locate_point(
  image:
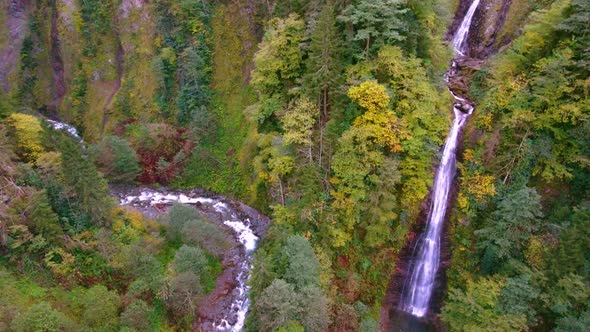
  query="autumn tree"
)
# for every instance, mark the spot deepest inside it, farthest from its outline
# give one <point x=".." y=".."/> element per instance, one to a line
<point x="277" y="63"/>
<point x="377" y="118"/>
<point x="116" y="159"/>
<point x="27" y="133"/>
<point x="298" y="122"/>
<point x="476" y="309"/>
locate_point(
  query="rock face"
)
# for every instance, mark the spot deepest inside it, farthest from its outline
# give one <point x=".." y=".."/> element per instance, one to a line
<point x="16" y="24"/>
<point x="495" y="24"/>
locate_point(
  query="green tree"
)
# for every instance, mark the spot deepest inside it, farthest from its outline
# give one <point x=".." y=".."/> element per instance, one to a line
<point x="84" y="184"/>
<point x="510" y="227"/>
<point x="276" y="305"/>
<point x="377" y="22"/>
<point x="100" y="309"/>
<point x="324" y="62"/>
<point x="202" y="233"/>
<point x="43" y="219"/>
<point x="314" y="309"/>
<point x="476" y="309"/>
<point x="135" y="316"/>
<point x="41" y="317"/>
<point x="190" y="259"/>
<point x="368" y="325"/>
<point x="573" y="324"/>
<point x="302" y="268"/>
<point x="178" y="216"/>
<point x="572" y="254"/>
<point x="183" y="294"/>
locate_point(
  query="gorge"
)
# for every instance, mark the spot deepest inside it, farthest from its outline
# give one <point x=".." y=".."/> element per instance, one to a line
<point x="296" y="165"/>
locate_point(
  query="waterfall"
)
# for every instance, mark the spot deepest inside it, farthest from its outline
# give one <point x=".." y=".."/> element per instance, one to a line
<point x="415" y="298"/>
<point x="461" y="35"/>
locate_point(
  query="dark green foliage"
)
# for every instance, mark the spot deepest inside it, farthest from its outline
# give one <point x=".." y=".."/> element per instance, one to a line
<point x="45" y="222"/>
<point x="194" y="95"/>
<point x="510" y="227"/>
<point x="572" y="255"/>
<point x="377" y="23"/>
<point x="302" y="268"/>
<point x="324" y="63"/>
<point x="518" y="296"/>
<point x="574" y="324"/>
<point x="28" y="76"/>
<point x="85" y="184"/>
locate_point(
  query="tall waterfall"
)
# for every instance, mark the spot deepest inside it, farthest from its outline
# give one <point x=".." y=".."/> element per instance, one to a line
<point x="418" y="288"/>
<point x="459" y="41"/>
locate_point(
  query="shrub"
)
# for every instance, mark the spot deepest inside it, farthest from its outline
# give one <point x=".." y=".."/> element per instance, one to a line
<point x="178" y="216"/>
<point x="115" y="158"/>
<point x="190" y="259"/>
<point x="135" y="316"/>
<point x="41" y="317"/>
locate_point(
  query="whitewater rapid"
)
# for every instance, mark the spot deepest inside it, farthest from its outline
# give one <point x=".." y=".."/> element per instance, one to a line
<point x="234" y="318"/>
<point x="244" y="233"/>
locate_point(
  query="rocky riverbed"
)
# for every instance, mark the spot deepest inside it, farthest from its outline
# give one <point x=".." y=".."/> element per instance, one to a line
<point x="225" y="308"/>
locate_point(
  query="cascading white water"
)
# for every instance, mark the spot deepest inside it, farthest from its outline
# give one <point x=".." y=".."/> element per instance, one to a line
<point x="417" y="295"/>
<point x="244" y="234"/>
<point x="418" y="289"/>
<point x="71" y="130"/>
<point x="461" y="34"/>
<point x="235" y="319"/>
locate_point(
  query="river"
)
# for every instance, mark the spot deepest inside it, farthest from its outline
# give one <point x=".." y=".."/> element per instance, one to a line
<point x="226" y="307"/>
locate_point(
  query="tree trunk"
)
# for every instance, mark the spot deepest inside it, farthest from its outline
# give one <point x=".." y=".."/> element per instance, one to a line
<point x="325" y="108"/>
<point x="281" y="190"/>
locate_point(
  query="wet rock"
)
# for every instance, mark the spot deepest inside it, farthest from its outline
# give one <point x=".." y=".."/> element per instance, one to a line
<point x="220" y="307"/>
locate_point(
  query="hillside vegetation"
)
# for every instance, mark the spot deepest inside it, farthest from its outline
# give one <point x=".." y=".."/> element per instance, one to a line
<point x="329" y="117"/>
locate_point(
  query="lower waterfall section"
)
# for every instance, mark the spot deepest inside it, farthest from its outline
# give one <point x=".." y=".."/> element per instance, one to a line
<point x="417" y="291"/>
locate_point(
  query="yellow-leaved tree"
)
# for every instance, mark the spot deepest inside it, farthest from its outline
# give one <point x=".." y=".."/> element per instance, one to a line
<point x="27" y="132"/>
<point x="379" y="119"/>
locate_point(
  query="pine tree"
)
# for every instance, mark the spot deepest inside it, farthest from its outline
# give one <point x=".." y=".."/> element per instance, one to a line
<point x="324" y="65"/>
<point x="84" y="183"/>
